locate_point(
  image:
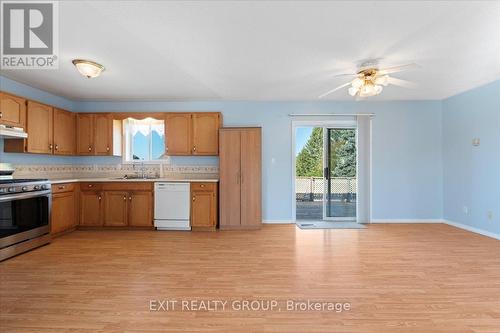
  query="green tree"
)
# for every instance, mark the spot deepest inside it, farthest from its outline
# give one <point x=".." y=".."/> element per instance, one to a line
<point x="309" y="162"/>
<point x="343" y="152"/>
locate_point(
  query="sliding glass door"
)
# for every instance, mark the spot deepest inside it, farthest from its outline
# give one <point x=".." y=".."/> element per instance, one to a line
<point x="340" y="179"/>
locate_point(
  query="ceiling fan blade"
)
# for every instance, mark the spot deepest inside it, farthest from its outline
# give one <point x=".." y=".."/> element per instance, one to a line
<point x="344" y="74"/>
<point x="401" y="83"/>
<point x="334" y="90"/>
<point x="397" y="69"/>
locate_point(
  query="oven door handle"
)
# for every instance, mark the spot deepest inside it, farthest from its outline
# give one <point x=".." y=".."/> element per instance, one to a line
<point x="26" y="195"/>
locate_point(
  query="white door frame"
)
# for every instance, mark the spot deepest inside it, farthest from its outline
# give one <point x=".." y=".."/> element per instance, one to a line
<point x="341" y="123"/>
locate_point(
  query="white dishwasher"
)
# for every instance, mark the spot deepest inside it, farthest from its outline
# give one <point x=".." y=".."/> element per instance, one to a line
<point x="172" y="206"/>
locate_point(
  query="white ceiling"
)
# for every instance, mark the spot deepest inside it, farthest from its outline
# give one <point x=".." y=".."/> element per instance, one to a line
<point x="269" y="50"/>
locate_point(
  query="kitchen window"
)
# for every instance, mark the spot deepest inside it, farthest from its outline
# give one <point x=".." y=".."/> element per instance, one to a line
<point x="144" y="139"/>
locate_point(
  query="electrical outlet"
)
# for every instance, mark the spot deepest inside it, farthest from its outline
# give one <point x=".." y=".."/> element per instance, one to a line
<point x="465" y="209"/>
<point x="490" y="215"/>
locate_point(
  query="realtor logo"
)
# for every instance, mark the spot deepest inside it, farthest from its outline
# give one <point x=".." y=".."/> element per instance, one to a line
<point x="29" y="35"/>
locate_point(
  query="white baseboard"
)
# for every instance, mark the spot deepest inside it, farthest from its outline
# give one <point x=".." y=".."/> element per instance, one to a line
<point x="407" y="221"/>
<point x="278" y="221"/>
<point x="473" y="229"/>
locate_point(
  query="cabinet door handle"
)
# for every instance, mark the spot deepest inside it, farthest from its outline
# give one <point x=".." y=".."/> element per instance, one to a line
<point x="99" y="197"/>
<point x="124" y="198"/>
<point x="194" y="198"/>
<point x="130" y="198"/>
<point x="194" y="148"/>
<point x="90" y="185"/>
<point x="57" y="147"/>
<point x="1" y="115"/>
<point x="107" y="148"/>
<point x="90" y="148"/>
<point x="50" y="146"/>
<point x="202" y="185"/>
<point x="61" y="187"/>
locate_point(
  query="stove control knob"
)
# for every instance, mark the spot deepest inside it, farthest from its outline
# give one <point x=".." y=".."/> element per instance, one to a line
<point x="3" y="190"/>
<point x="45" y="187"/>
<point x="24" y="188"/>
<point x="12" y="189"/>
<point x="36" y="187"/>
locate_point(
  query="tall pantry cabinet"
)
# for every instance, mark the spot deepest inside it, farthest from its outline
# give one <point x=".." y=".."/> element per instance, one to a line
<point x="240" y="192"/>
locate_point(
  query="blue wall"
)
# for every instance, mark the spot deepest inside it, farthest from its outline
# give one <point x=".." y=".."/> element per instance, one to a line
<point x="407" y="151"/>
<point x="472" y="174"/>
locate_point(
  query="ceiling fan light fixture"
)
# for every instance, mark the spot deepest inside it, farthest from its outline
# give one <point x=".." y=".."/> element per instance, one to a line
<point x="382" y="80"/>
<point x="353" y="91"/>
<point x="88" y="68"/>
<point x="357" y="82"/>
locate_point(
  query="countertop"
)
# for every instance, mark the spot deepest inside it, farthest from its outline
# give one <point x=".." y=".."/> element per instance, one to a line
<point x="115" y="179"/>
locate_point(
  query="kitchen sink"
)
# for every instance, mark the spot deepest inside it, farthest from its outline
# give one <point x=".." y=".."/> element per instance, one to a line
<point x="136" y="177"/>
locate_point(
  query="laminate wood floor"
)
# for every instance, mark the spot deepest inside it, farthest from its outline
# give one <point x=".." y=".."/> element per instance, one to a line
<point x="396" y="278"/>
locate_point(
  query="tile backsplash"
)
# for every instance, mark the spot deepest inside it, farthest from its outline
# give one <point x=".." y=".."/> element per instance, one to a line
<point x="117" y="170"/>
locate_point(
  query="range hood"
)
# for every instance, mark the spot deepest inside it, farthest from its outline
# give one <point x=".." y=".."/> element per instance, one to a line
<point x="12" y="132"/>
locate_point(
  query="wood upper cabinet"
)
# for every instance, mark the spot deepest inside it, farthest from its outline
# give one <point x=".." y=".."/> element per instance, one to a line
<point x="115" y="208"/>
<point x="64" y="132"/>
<point x="206" y="133"/>
<point x="140" y="209"/>
<point x="240" y="178"/>
<point x="85" y="134"/>
<point x="90" y="208"/>
<point x="192" y="133"/>
<point x="95" y="134"/>
<point x="103" y="134"/>
<point x="64" y="208"/>
<point x="39" y="128"/>
<point x="12" y="110"/>
<point x="203" y="205"/>
<point x="178" y="134"/>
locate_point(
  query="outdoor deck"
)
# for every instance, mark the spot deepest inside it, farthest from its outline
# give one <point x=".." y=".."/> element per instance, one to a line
<point x="313" y="210"/>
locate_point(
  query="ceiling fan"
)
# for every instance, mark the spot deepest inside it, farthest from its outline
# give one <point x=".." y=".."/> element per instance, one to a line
<point x="370" y="80"/>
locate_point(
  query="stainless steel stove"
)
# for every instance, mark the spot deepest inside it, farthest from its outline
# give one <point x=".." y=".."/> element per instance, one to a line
<point x="24" y="213"/>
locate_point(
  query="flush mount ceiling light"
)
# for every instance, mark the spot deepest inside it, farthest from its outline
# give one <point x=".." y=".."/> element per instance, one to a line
<point x="370" y="81"/>
<point x="87" y="68"/>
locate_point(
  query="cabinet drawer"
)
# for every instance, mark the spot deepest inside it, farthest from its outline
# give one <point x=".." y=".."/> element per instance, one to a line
<point x="90" y="186"/>
<point x="196" y="186"/>
<point x="128" y="186"/>
<point x="60" y="188"/>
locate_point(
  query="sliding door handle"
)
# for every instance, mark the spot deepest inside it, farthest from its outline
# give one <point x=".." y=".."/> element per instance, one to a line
<point x="326" y="173"/>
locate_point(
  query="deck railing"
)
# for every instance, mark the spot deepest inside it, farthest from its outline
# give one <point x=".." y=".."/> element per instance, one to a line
<point x="312" y="188"/>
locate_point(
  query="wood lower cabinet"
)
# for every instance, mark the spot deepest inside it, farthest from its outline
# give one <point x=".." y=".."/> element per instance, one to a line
<point x="116" y="204"/>
<point x="203" y="206"/>
<point x="12" y="110"/>
<point x="115" y="208"/>
<point x="90" y="208"/>
<point x="240" y="178"/>
<point x="64" y="215"/>
<point x="64" y="132"/>
<point x="140" y="209"/>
